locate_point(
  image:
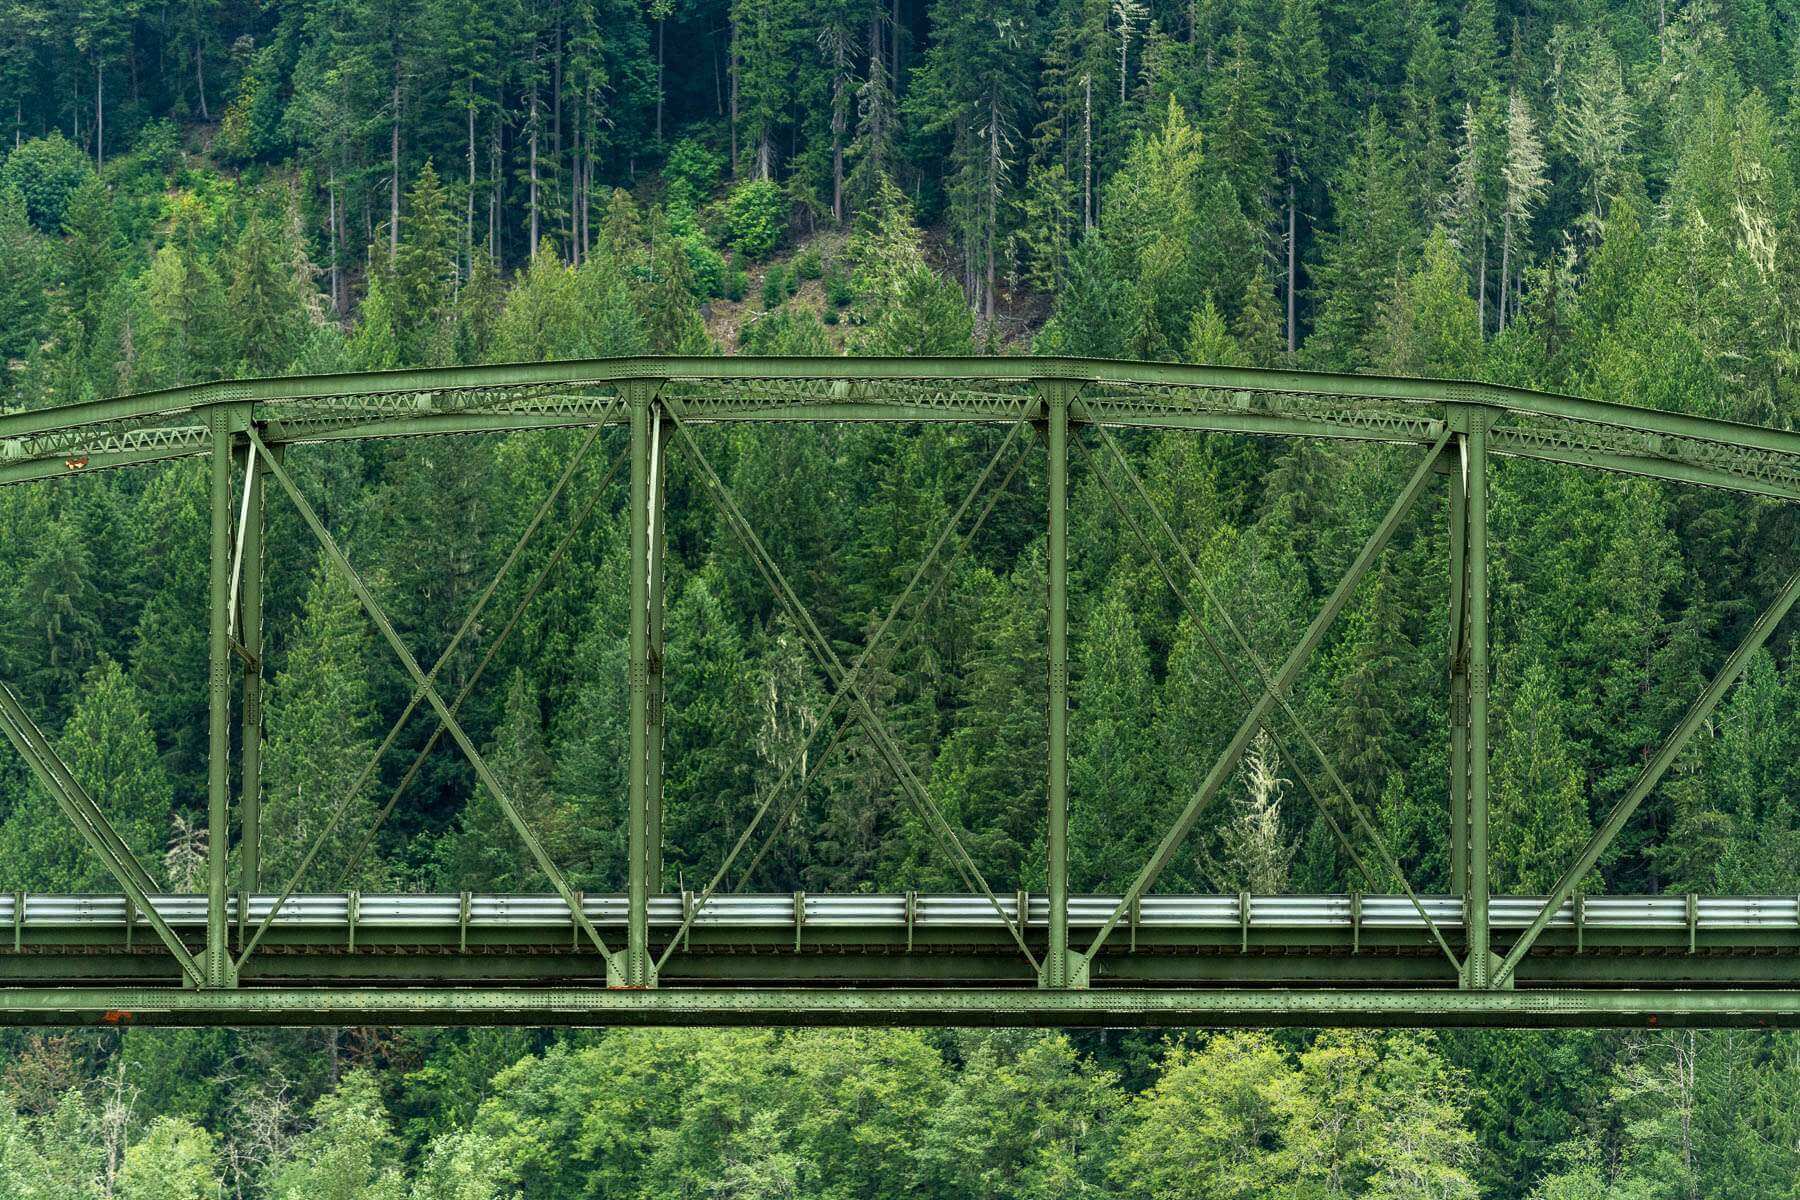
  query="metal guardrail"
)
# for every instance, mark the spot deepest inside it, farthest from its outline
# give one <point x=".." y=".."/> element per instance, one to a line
<point x="927" y="911"/>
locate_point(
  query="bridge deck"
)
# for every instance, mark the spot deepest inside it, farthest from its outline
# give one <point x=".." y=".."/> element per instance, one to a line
<point x="899" y="940"/>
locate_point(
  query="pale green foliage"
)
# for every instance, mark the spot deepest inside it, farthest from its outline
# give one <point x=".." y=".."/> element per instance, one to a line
<point x="347" y="1154"/>
<point x="461" y="1166"/>
<point x="1353" y="1115"/>
<point x="902" y="305"/>
<point x="173" y="1160"/>
<point x="754" y="217"/>
<point x="557" y="311"/>
<point x="1428" y="326"/>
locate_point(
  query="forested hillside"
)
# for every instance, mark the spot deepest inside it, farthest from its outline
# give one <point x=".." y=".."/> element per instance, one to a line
<point x="1576" y="195"/>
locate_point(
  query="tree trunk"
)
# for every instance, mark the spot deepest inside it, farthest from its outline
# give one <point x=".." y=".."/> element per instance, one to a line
<point x="837" y="128"/>
<point x="394" y="169"/>
<point x="99" y="115"/>
<point x="993" y="209"/>
<point x="1505" y="269"/>
<point x="1293" y="273"/>
<point x="876" y="113"/>
<point x="556" y="65"/>
<point x="1087" y="152"/>
<point x="200" y="72"/>
<point x="331" y="216"/>
<point x="1481" y="289"/>
<point x="469" y="206"/>
<point x="732" y="22"/>
<point x="532" y="153"/>
<point x="496" y="153"/>
<point x="660" y="22"/>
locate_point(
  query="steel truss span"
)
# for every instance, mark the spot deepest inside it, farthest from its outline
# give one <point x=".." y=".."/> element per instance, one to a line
<point x="256" y="950"/>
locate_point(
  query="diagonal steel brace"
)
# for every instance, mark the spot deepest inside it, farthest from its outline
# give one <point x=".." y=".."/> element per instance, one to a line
<point x="1253" y="720"/>
<point x="420" y="681"/>
<point x="349" y="797"/>
<point x="1652" y="774"/>
<point x="487" y="658"/>
<point x="89" y="821"/>
<point x="843" y="727"/>
<point x="856" y="669"/>
<point x="1262" y="672"/>
<point x="834" y="668"/>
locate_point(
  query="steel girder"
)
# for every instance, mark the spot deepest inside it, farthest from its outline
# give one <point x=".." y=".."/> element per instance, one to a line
<point x="1119" y="1007"/>
<point x="155" y="426"/>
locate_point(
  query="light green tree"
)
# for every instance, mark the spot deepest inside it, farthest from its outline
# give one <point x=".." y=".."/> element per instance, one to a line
<point x="173" y="1160"/>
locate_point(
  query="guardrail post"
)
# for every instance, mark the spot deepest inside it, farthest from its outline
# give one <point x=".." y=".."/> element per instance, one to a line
<point x="219" y="972"/>
<point x="638" y="969"/>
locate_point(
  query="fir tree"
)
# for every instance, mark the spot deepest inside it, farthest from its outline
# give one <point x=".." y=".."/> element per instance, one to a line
<point x="321" y="732"/>
<point x="109" y="750"/>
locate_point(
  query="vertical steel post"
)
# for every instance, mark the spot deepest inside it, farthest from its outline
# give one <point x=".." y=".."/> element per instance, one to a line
<point x="1459" y="670"/>
<point x="637" y="945"/>
<point x="1056" y="958"/>
<point x="659" y="472"/>
<point x="1480" y="962"/>
<point x="219" y="972"/>
<point x="250" y="621"/>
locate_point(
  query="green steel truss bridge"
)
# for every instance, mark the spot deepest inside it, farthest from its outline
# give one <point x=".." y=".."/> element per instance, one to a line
<point x="256" y="950"/>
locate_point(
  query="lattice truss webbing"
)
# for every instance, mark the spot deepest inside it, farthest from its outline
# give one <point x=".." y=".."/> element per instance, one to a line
<point x="135" y="430"/>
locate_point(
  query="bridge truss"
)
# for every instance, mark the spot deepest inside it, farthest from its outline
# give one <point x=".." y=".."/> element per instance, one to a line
<point x="244" y="953"/>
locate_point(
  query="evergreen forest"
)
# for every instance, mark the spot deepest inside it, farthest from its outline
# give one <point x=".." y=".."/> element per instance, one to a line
<point x="1596" y="197"/>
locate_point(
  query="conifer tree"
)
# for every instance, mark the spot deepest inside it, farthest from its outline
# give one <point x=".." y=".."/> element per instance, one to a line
<point x="24" y="264"/>
<point x="1539" y="807"/>
<point x="1113" y="813"/>
<point x="1368" y="251"/>
<point x="1298" y="110"/>
<point x="268" y="295"/>
<point x="109" y="750"/>
<point x="1522" y="175"/>
<point x="321" y="732"/>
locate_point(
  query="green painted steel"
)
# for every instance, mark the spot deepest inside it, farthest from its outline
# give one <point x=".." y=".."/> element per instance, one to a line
<point x="219" y="973"/>
<point x="1107" y="1008"/>
<point x="1290" y="671"/>
<point x="1658" y="765"/>
<point x="156" y="426"/>
<point x="1056" y="817"/>
<point x="637" y="856"/>
<point x="1477" y="965"/>
<point x="1538" y="977"/>
<point x="1458" y="642"/>
<point x="341" y="564"/>
<point x="251" y="565"/>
